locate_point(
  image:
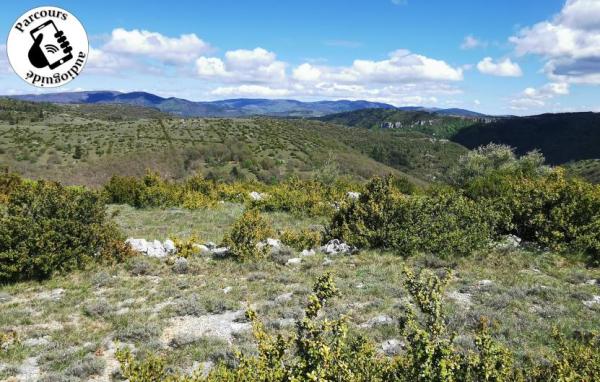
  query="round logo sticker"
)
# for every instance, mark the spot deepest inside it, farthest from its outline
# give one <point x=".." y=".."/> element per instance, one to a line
<point x="47" y="47"/>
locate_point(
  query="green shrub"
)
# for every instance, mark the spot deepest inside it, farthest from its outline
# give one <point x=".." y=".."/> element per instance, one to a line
<point x="442" y="222"/>
<point x="302" y="239"/>
<point x="245" y="235"/>
<point x="47" y="228"/>
<point x="555" y="211"/>
<point x="8" y="183"/>
<point x="303" y="197"/>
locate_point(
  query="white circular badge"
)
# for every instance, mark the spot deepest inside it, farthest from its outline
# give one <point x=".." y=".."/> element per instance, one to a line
<point x="47" y="47"/>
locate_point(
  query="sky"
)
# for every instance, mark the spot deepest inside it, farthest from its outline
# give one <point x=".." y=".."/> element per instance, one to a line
<point x="495" y="56"/>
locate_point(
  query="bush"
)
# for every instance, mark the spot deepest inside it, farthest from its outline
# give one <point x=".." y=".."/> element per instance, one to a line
<point x="245" y="235"/>
<point x="303" y="197"/>
<point x="300" y="240"/>
<point x="442" y="222"/>
<point x="551" y="210"/>
<point x="47" y="228"/>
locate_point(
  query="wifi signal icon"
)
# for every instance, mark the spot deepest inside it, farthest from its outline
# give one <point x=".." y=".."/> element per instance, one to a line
<point x="51" y="48"/>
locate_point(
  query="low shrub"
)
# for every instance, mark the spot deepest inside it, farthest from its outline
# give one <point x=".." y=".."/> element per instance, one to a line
<point x="245" y="235"/>
<point x="442" y="222"/>
<point x="552" y="210"/>
<point x="47" y="228"/>
<point x="301" y="239"/>
<point x="303" y="197"/>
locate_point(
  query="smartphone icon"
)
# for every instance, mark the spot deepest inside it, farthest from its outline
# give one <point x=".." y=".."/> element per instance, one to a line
<point x="50" y="45"/>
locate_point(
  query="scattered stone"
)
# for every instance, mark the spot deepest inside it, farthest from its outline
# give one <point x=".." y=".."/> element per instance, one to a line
<point x="150" y="249"/>
<point x="509" y="242"/>
<point x="40" y="341"/>
<point x="588" y="282"/>
<point x="29" y="370"/>
<point x="169" y="246"/>
<point x="327" y="261"/>
<point x="220" y="251"/>
<point x="463" y="299"/>
<point x="275" y="243"/>
<point x="256" y="196"/>
<point x="294" y="261"/>
<point x="181" y="265"/>
<point x="5" y="297"/>
<point x="307" y="252"/>
<point x="201" y="248"/>
<point x="192" y="328"/>
<point x="594" y="301"/>
<point x="284" y="297"/>
<point x="392" y="347"/>
<point x="353" y="195"/>
<point x="122" y="311"/>
<point x="377" y="321"/>
<point x="227" y="289"/>
<point x="484" y="283"/>
<point x="336" y="246"/>
<point x="53" y="295"/>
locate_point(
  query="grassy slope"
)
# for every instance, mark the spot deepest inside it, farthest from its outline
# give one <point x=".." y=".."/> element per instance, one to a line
<point x="260" y="148"/>
<point x="530" y="293"/>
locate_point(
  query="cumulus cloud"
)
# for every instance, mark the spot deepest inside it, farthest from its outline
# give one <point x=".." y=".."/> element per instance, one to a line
<point x="4" y="64"/>
<point x="404" y="77"/>
<point x="502" y="68"/>
<point x="538" y="97"/>
<point x="249" y="91"/>
<point x="306" y="73"/>
<point x="242" y="65"/>
<point x="402" y="66"/>
<point x="569" y="42"/>
<point x="182" y="49"/>
<point x="471" y="42"/>
<point x="102" y="62"/>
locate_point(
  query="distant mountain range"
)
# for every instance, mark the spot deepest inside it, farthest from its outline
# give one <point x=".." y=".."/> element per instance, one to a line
<point x="226" y="108"/>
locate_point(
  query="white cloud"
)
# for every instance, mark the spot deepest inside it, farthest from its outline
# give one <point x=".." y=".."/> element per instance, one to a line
<point x="4" y="64"/>
<point x="538" y="97"/>
<point x="471" y="42"/>
<point x="242" y="65"/>
<point x="306" y="73"/>
<point x="249" y="91"/>
<point x="182" y="49"/>
<point x="404" y="77"/>
<point x="402" y="66"/>
<point x="101" y="62"/>
<point x="503" y="68"/>
<point x="570" y="42"/>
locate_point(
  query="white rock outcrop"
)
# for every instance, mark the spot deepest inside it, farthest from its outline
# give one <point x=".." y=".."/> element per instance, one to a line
<point x="256" y="196"/>
<point x="148" y="248"/>
<point x="336" y="246"/>
<point x="353" y="195"/>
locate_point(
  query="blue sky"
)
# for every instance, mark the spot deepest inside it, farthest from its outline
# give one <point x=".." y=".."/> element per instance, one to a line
<point x="500" y="57"/>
